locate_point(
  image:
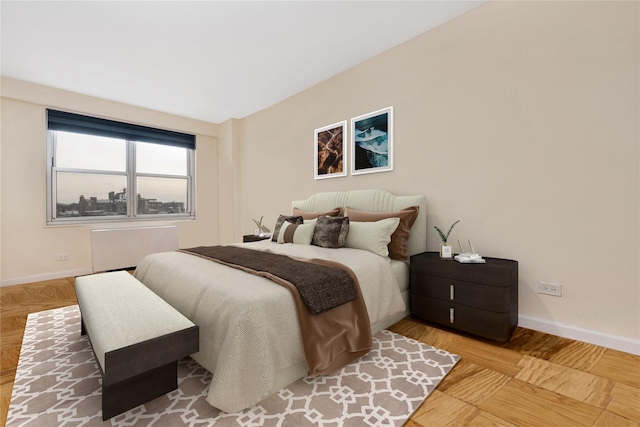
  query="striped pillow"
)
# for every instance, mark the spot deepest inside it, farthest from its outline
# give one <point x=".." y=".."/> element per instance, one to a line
<point x="284" y="219"/>
<point x="300" y="234"/>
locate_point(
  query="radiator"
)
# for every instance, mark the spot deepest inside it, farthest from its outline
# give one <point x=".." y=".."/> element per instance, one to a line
<point x="114" y="249"/>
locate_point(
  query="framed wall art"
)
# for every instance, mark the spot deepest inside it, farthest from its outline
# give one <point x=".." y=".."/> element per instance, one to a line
<point x="330" y="151"/>
<point x="372" y="142"/>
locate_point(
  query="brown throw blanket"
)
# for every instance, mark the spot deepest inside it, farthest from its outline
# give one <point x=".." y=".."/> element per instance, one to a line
<point x="321" y="287"/>
<point x="340" y="331"/>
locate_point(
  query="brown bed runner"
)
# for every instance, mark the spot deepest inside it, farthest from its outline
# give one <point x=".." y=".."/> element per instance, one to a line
<point x="321" y="287"/>
<point x="340" y="331"/>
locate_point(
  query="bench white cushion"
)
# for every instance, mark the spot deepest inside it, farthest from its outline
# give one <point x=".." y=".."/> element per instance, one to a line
<point x="119" y="311"/>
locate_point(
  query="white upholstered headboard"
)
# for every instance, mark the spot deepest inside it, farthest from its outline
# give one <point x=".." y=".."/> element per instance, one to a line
<point x="373" y="201"/>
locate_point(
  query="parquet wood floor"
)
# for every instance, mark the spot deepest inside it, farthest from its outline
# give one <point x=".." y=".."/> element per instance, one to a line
<point x="535" y="379"/>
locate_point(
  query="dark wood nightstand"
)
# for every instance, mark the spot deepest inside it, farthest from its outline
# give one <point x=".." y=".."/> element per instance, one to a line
<point x="480" y="299"/>
<point x="252" y="238"/>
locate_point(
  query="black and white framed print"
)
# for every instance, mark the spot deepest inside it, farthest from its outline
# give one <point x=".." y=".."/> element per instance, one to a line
<point x="372" y="142"/>
<point x="330" y="152"/>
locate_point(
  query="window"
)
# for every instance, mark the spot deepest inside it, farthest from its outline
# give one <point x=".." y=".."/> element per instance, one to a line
<point x="96" y="165"/>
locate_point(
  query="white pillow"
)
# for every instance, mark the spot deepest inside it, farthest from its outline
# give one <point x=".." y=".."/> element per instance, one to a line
<point x="300" y="234"/>
<point x="372" y="236"/>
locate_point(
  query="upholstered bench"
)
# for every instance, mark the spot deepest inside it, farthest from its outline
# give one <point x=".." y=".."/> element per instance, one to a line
<point x="136" y="336"/>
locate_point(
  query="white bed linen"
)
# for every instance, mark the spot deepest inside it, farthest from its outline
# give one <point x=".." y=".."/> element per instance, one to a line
<point x="401" y="273"/>
<point x="249" y="332"/>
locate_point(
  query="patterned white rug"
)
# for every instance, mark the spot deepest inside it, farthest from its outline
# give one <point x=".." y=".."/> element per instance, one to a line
<point x="58" y="383"/>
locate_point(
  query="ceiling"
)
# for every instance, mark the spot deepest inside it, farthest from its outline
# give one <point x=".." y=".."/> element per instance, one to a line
<point x="208" y="60"/>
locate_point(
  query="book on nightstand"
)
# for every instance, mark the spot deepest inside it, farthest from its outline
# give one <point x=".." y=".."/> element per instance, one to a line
<point x="469" y="258"/>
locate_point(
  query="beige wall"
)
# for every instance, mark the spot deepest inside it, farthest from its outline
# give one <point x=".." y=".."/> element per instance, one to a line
<point x="29" y="247"/>
<point x="518" y="118"/>
<point x="229" y="181"/>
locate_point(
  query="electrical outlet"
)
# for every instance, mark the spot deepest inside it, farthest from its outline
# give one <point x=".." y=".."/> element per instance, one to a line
<point x="550" y="289"/>
<point x="63" y="257"/>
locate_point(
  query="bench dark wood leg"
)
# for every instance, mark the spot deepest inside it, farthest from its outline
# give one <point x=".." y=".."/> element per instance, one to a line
<point x="124" y="395"/>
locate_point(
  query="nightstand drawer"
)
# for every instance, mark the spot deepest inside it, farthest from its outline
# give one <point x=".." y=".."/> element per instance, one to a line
<point x="487" y="324"/>
<point x="496" y="272"/>
<point x="493" y="298"/>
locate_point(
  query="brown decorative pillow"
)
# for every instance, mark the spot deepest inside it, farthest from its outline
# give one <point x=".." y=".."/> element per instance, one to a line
<point x="314" y="215"/>
<point x="398" y="246"/>
<point x="331" y="232"/>
<point x="281" y="220"/>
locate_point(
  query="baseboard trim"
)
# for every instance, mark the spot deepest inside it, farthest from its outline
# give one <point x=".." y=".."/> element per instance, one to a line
<point x="43" y="277"/>
<point x="628" y="345"/>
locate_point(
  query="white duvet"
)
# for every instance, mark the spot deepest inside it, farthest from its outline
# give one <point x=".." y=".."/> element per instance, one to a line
<point x="249" y="332"/>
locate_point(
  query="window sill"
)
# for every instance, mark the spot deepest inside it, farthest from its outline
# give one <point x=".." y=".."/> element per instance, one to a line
<point x="105" y="221"/>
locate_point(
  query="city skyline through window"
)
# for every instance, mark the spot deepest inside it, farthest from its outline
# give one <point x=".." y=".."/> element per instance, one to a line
<point x="93" y="176"/>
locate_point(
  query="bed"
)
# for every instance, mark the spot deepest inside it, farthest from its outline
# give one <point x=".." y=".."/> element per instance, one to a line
<point x="249" y="336"/>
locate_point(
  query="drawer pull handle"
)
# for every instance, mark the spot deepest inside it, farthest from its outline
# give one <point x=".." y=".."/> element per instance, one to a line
<point x="451" y="291"/>
<point x="451" y="315"/>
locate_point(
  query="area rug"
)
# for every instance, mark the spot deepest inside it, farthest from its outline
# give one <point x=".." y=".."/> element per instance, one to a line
<point x="58" y="383"/>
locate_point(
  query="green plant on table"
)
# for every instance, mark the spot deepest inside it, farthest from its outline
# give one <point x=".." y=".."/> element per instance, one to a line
<point x="443" y="236"/>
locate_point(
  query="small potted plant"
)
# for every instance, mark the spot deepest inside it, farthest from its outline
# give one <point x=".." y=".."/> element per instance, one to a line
<point x="262" y="230"/>
<point x="446" y="250"/>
